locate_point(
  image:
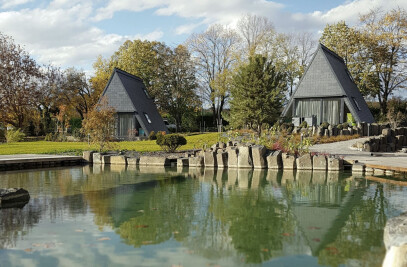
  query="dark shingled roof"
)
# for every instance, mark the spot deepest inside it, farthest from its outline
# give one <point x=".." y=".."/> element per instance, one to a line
<point x="328" y="76"/>
<point x="123" y="87"/>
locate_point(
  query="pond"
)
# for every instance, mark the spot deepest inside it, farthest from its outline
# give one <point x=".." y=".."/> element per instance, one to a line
<point x="89" y="216"/>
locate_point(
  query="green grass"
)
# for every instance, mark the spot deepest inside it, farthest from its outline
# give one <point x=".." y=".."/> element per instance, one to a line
<point x="44" y="147"/>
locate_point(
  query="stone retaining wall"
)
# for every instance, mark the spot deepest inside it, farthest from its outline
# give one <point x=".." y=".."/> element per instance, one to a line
<point x="388" y="141"/>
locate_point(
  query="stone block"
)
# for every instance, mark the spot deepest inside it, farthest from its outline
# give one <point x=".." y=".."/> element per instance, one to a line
<point x="118" y="160"/>
<point x="358" y="167"/>
<point x="304" y="162"/>
<point x="133" y="161"/>
<point x="378" y="172"/>
<point x="106" y="159"/>
<point x="154" y="161"/>
<point x="222" y="159"/>
<point x="335" y="164"/>
<point x="182" y="162"/>
<point x="374" y="129"/>
<point x="88" y="156"/>
<point x="196" y="161"/>
<point x="319" y="162"/>
<point x="259" y="157"/>
<point x="386" y="132"/>
<point x="244" y="159"/>
<point x="97" y="158"/>
<point x="221" y="145"/>
<point x="289" y="161"/>
<point x="274" y="160"/>
<point x="210" y="159"/>
<point x="232" y="156"/>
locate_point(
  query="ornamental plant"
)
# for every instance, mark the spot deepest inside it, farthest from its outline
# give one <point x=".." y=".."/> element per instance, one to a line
<point x="170" y="142"/>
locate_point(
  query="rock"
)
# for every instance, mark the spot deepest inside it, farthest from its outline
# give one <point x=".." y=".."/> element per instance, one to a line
<point x="133" y="161"/>
<point x="210" y="159"/>
<point x="196" y="161"/>
<point x="154" y="161"/>
<point x="221" y="145"/>
<point x="106" y="159"/>
<point x="335" y="164"/>
<point x="289" y="162"/>
<point x="244" y="159"/>
<point x="395" y="231"/>
<point x="97" y="158"/>
<point x="369" y="170"/>
<point x="259" y="157"/>
<point x="304" y="162"/>
<point x="222" y="159"/>
<point x="386" y="132"/>
<point x="358" y="167"/>
<point x="378" y="172"/>
<point x="274" y="160"/>
<point x="182" y="162"/>
<point x="13" y="195"/>
<point x="232" y="156"/>
<point x="88" y="156"/>
<point x="389" y="172"/>
<point x="319" y="162"/>
<point x="118" y="160"/>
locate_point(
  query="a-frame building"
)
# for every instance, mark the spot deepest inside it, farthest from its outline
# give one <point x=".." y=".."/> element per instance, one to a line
<point x="137" y="115"/>
<point x="327" y="91"/>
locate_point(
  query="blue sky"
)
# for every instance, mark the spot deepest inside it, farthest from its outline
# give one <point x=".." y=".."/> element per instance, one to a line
<point x="74" y="32"/>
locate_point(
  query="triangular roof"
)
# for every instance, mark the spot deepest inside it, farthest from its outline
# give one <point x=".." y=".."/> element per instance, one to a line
<point x="327" y="76"/>
<point x="127" y="94"/>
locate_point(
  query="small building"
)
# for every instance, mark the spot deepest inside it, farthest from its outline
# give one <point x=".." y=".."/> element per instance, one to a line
<point x="137" y="115"/>
<point x="327" y="92"/>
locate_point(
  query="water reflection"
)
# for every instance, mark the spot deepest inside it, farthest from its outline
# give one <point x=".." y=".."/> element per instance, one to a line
<point x="237" y="216"/>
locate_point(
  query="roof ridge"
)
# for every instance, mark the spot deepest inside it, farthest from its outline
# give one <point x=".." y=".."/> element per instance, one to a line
<point x="127" y="74"/>
<point x="326" y="49"/>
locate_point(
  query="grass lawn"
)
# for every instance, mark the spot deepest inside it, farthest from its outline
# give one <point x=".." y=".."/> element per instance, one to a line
<point x="45" y="147"/>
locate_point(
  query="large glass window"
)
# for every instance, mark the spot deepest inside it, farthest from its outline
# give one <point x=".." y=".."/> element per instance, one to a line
<point x="331" y="111"/>
<point x="126" y="124"/>
<point x="308" y="107"/>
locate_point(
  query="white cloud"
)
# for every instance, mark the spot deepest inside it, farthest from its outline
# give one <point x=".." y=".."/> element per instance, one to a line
<point x="13" y="3"/>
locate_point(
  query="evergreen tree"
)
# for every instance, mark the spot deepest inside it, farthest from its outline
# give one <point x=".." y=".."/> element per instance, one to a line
<point x="257" y="94"/>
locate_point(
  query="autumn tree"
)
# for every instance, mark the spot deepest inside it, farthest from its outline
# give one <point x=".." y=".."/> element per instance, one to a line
<point x="19" y="79"/>
<point x="213" y="52"/>
<point x="257" y="94"/>
<point x="99" y="124"/>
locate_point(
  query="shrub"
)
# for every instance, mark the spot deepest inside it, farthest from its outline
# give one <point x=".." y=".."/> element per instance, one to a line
<point x="325" y="125"/>
<point x="340" y="126"/>
<point x="152" y="136"/>
<point x="14" y="136"/>
<point x="304" y="124"/>
<point x="49" y="137"/>
<point x="170" y="142"/>
<point x="345" y="125"/>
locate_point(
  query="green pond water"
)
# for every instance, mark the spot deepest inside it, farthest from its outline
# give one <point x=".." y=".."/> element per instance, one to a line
<point x="89" y="216"/>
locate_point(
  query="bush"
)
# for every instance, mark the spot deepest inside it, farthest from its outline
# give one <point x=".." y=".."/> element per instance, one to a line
<point x="152" y="136"/>
<point x="14" y="136"/>
<point x="345" y="125"/>
<point x="170" y="142"/>
<point x="49" y="137"/>
<point x="325" y="125"/>
<point x="304" y="124"/>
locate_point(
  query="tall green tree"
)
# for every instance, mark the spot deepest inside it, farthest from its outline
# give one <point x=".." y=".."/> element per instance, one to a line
<point x="257" y="94"/>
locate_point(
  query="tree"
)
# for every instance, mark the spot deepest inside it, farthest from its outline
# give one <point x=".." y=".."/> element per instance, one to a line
<point x="213" y="51"/>
<point x="75" y="91"/>
<point x="99" y="124"/>
<point x="385" y="42"/>
<point x="257" y="94"/>
<point x="19" y="79"/>
<point x="180" y="92"/>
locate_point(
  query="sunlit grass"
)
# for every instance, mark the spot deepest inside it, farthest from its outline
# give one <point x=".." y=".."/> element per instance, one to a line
<point x="45" y="147"/>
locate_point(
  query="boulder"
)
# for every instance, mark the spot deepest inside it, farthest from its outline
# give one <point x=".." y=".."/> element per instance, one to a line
<point x="88" y="156"/>
<point x="244" y="159"/>
<point x="13" y="195"/>
<point x="210" y="159"/>
<point x="222" y="159"/>
<point x="304" y="162"/>
<point x="118" y="160"/>
<point x="378" y="172"/>
<point x="358" y="167"/>
<point x="335" y="164"/>
<point x="233" y="153"/>
<point x="106" y="159"/>
<point x="154" y="161"/>
<point x="182" y="162"/>
<point x="133" y="161"/>
<point x="97" y="158"/>
<point x="259" y="157"/>
<point x="319" y="162"/>
<point x="196" y="161"/>
<point x="289" y="162"/>
<point x="274" y="160"/>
